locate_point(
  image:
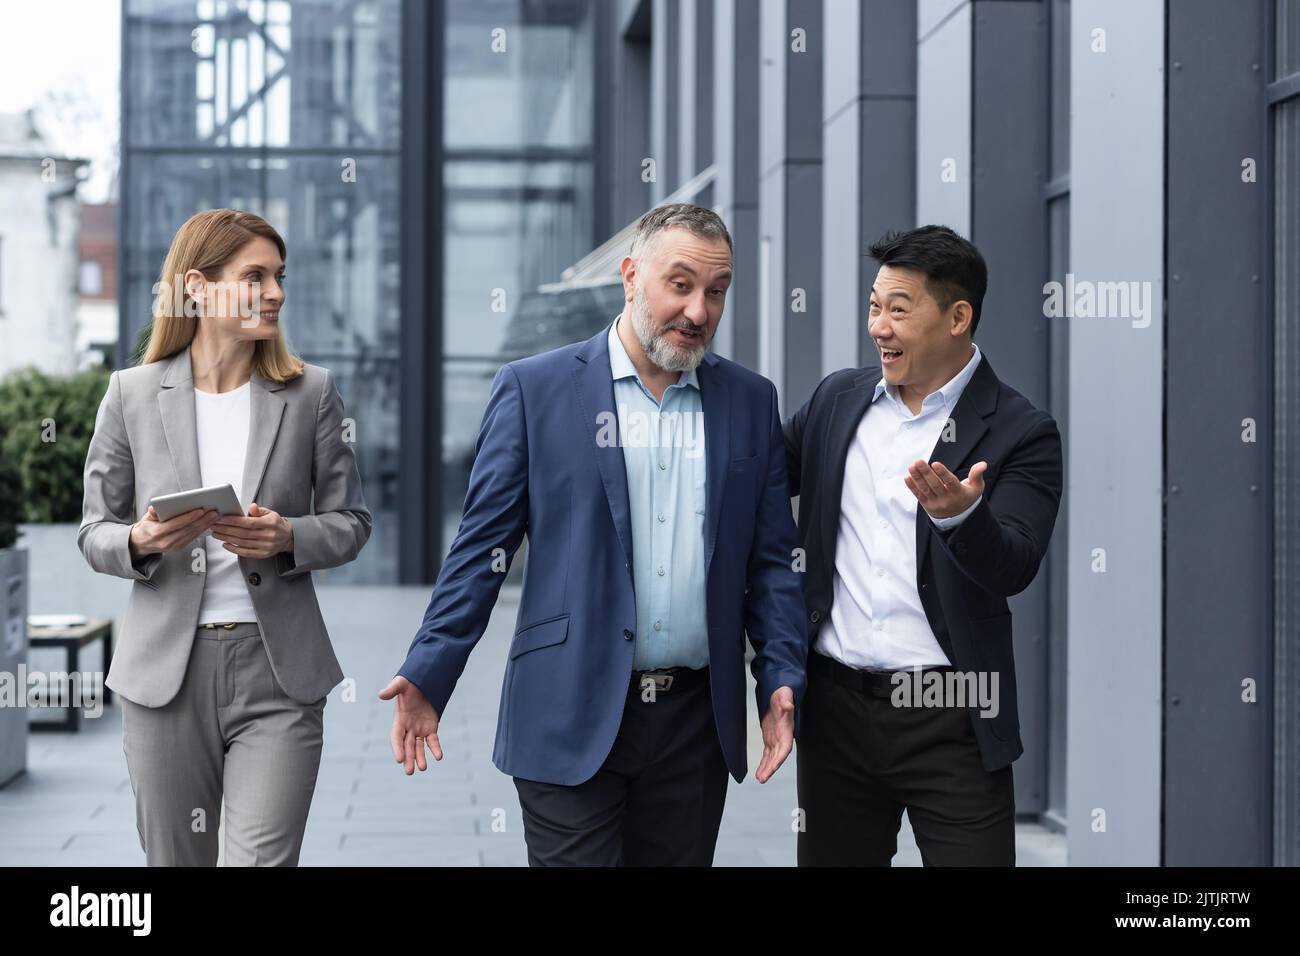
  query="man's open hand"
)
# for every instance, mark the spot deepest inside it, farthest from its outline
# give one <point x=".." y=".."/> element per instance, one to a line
<point x="415" y="725"/>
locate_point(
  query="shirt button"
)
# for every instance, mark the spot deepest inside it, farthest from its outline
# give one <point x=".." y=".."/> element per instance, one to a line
<point x="627" y="634"/>
<point x="661" y="516"/>
<point x="884" y="524"/>
<point x="661" y="570"/>
<point x="658" y="626"/>
<point x="663" y="466"/>
<point x="880" y="572"/>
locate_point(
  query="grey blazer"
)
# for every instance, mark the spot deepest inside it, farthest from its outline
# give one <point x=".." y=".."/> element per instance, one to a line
<point x="297" y="464"/>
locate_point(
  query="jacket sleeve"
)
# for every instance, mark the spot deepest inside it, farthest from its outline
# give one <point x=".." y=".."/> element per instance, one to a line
<point x="339" y="526"/>
<point x="109" y="494"/>
<point x="495" y="517"/>
<point x="774" y="602"/>
<point x="1001" y="544"/>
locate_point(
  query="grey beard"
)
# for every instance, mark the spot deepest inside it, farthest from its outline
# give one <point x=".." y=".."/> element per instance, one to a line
<point x="664" y="354"/>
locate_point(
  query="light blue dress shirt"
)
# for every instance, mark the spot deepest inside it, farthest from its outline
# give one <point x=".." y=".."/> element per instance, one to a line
<point x="663" y="452"/>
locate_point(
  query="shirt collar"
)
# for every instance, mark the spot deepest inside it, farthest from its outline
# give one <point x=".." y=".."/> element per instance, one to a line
<point x="948" y="394"/>
<point x="620" y="364"/>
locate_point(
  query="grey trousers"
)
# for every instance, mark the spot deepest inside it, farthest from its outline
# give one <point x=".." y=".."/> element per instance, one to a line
<point x="230" y="733"/>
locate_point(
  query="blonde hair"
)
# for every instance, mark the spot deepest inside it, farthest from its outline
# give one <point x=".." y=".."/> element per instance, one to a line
<point x="206" y="242"/>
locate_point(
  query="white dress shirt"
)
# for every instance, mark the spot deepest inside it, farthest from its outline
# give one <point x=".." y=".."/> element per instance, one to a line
<point x="877" y="621"/>
<point x="221" y="422"/>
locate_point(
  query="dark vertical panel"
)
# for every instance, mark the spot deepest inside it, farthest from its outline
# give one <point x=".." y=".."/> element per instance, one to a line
<point x="1008" y="223"/>
<point x="887" y="138"/>
<point x="420" y="482"/>
<point x="631" y="119"/>
<point x="803" y="201"/>
<point x="704" y="84"/>
<point x="1218" y="613"/>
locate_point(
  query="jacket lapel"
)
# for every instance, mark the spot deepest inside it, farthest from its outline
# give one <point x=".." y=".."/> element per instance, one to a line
<point x="850" y="405"/>
<point x="594" y="381"/>
<point x="715" y="398"/>
<point x="266" y="411"/>
<point x="176" y="408"/>
<point x="978" y="401"/>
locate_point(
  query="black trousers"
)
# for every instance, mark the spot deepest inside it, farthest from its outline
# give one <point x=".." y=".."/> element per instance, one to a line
<point x="862" y="761"/>
<point x="655" y="801"/>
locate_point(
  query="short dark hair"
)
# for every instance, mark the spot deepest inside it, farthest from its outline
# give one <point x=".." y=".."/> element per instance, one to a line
<point x="953" y="267"/>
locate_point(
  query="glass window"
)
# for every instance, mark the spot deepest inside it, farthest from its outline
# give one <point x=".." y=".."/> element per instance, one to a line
<point x="518" y="195"/>
<point x="289" y="110"/>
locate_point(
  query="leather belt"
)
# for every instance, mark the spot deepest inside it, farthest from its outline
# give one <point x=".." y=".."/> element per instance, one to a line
<point x="664" y="678"/>
<point x="876" y="683"/>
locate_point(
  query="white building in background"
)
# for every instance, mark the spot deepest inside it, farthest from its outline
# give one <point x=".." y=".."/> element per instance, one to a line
<point x="39" y="254"/>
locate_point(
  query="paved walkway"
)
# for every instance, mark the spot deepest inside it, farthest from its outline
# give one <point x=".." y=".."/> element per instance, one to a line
<point x="74" y="806"/>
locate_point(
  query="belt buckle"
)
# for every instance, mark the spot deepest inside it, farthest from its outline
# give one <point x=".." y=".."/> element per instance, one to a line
<point x="659" y="679"/>
<point x="224" y="626"/>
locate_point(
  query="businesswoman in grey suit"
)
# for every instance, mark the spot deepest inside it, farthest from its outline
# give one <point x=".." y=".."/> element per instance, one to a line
<point x="223" y="662"/>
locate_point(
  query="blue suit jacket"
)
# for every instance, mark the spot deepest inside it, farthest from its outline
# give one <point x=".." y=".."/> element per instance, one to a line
<point x="538" y="470"/>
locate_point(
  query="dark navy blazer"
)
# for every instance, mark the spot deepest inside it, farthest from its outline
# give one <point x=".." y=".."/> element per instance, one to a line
<point x="539" y="470"/>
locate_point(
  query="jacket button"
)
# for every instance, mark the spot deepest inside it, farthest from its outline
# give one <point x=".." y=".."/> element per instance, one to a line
<point x="627" y="635"/>
<point x="815" y="616"/>
<point x="254" y="579"/>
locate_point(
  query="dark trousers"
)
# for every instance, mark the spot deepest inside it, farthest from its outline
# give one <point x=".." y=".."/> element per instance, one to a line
<point x="862" y="761"/>
<point x="655" y="801"/>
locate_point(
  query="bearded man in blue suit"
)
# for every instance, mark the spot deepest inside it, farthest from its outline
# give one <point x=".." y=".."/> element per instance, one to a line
<point x="650" y="478"/>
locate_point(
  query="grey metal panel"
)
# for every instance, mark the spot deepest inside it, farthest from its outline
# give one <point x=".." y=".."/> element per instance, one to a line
<point x="1114" y="446"/>
<point x="1218" y="616"/>
<point x="888" y="138"/>
<point x="803" y="270"/>
<point x="790" y="90"/>
<point x="631" y="76"/>
<point x="869" y="160"/>
<point x="1008" y="223"/>
<point x="736" y="109"/>
<point x="663" y="98"/>
<point x="420" y="469"/>
<point x="888" y="171"/>
<point x="943" y="123"/>
<point x="704" y="80"/>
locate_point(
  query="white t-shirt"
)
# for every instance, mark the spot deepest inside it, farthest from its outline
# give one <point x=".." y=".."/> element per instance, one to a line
<point x="222" y="421"/>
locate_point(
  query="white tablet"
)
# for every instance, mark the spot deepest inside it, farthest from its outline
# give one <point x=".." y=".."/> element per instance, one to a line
<point x="219" y="498"/>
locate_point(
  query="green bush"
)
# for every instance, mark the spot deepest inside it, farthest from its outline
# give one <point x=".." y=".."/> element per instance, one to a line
<point x="46" y="423"/>
<point x="11" y="497"/>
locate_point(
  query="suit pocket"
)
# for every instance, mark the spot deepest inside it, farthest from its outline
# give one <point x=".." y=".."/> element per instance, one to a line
<point x="542" y="634"/>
